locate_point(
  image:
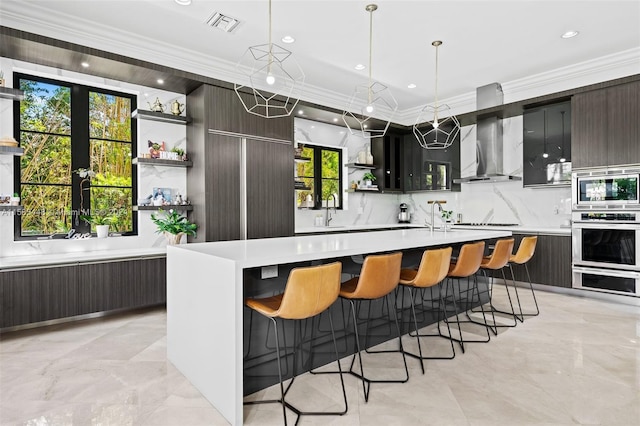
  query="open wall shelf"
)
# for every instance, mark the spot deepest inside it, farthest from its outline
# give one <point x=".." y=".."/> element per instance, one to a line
<point x="162" y="162"/>
<point x="11" y="150"/>
<point x="183" y="207"/>
<point x="11" y="93"/>
<point x="159" y="116"/>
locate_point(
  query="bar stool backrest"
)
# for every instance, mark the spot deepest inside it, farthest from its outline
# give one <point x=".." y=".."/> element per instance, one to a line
<point x="310" y="290"/>
<point x="433" y="268"/>
<point x="468" y="261"/>
<point x="525" y="251"/>
<point x="500" y="255"/>
<point x="379" y="276"/>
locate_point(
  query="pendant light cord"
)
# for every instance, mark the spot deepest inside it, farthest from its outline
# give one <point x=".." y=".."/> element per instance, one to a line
<point x="370" y="49"/>
<point x="270" y="45"/>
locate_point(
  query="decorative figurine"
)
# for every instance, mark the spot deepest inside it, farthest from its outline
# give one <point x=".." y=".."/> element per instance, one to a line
<point x="177" y="108"/>
<point x="157" y="106"/>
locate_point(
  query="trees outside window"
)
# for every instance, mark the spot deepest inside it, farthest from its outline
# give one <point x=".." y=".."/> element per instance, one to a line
<point x="323" y="175"/>
<point x="66" y="129"/>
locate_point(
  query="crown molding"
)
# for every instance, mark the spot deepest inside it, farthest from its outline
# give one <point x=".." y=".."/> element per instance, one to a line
<point x="32" y="18"/>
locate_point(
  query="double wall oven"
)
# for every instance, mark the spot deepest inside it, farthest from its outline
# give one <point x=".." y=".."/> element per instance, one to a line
<point x="606" y="231"/>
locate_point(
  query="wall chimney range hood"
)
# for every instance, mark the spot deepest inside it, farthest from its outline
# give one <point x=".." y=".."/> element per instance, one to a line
<point x="489" y="143"/>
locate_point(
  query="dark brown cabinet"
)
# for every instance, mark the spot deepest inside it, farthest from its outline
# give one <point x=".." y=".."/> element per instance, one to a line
<point x="551" y="263"/>
<point x="50" y="293"/>
<point x="605" y="127"/>
<point x="241" y="182"/>
<point x="430" y="169"/>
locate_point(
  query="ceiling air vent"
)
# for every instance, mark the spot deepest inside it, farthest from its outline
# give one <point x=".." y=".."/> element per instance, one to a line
<point x="222" y="22"/>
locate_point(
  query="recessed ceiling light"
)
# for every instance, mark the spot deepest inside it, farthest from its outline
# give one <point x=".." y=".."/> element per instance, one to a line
<point x="160" y="81"/>
<point x="183" y="2"/>
<point x="335" y="120"/>
<point x="85" y="64"/>
<point x="365" y="126"/>
<point x="300" y="112"/>
<point x="411" y="86"/>
<point x="341" y="132"/>
<point x="288" y="39"/>
<point x="313" y="127"/>
<point x="570" y="34"/>
<point x="359" y="67"/>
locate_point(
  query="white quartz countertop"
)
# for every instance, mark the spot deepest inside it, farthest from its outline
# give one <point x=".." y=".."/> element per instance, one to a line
<point x="372" y="227"/>
<point x="522" y="229"/>
<point x="346" y="228"/>
<point x="277" y="251"/>
<point x="16" y="262"/>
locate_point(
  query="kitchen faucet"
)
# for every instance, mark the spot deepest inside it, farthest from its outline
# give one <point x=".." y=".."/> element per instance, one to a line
<point x="328" y="217"/>
<point x="433" y="211"/>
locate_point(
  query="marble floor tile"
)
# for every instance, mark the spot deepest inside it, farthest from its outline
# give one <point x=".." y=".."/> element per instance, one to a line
<point x="577" y="363"/>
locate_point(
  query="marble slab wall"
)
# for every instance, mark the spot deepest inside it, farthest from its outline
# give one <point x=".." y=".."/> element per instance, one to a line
<point x="359" y="208"/>
<point x="148" y="177"/>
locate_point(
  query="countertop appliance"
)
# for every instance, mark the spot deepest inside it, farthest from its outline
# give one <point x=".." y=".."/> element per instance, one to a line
<point x="606" y="251"/>
<point x="404" y="216"/>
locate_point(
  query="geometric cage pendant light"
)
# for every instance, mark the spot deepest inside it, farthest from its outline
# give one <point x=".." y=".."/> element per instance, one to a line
<point x="435" y="127"/>
<point x="371" y="102"/>
<point x="272" y="78"/>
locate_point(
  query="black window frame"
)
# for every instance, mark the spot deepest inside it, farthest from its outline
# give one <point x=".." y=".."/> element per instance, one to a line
<point x="80" y="152"/>
<point x="317" y="177"/>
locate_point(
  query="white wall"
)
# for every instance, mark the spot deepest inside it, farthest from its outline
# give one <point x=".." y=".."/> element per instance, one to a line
<point x="148" y="176"/>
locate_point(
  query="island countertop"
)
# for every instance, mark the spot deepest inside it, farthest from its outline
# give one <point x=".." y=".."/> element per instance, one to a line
<point x="205" y="295"/>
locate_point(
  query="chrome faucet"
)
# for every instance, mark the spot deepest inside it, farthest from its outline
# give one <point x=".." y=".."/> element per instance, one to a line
<point x="328" y="217"/>
<point x="433" y="211"/>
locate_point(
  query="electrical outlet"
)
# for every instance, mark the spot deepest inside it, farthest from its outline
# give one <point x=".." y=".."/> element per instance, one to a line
<point x="556" y="209"/>
<point x="269" y="272"/>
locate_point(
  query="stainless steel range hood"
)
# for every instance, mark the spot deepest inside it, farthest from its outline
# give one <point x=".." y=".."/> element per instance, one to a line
<point x="489" y="153"/>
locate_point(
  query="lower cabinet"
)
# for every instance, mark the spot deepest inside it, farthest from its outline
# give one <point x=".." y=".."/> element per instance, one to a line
<point x="48" y="293"/>
<point x="551" y="263"/>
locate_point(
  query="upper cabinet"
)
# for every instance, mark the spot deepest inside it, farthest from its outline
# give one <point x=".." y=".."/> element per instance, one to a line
<point x="547" y="145"/>
<point x="387" y="152"/>
<point x="605" y="127"/>
<point x="430" y="169"/>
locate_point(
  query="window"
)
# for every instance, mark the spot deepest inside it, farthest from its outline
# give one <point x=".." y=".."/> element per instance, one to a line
<point x="66" y="129"/>
<point x="322" y="175"/>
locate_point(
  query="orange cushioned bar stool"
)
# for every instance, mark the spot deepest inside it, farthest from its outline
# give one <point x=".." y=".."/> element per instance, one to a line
<point x="526" y="250"/>
<point x="433" y="268"/>
<point x="378" y="279"/>
<point x="497" y="261"/>
<point x="308" y="292"/>
<point x="466" y="266"/>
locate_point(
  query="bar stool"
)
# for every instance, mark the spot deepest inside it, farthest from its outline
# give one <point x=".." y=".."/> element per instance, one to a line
<point x="497" y="261"/>
<point x="526" y="250"/>
<point x="378" y="278"/>
<point x="433" y="268"/>
<point x="308" y="292"/>
<point x="466" y="266"/>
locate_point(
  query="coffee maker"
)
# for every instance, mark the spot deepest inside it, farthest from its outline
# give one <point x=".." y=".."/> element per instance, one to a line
<point x="404" y="216"/>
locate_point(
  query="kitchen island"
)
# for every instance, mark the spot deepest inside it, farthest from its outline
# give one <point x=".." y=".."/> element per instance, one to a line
<point x="205" y="294"/>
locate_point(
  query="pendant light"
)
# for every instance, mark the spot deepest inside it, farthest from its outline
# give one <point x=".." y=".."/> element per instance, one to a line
<point x="435" y="127"/>
<point x="273" y="80"/>
<point x="372" y="101"/>
<point x="562" y="157"/>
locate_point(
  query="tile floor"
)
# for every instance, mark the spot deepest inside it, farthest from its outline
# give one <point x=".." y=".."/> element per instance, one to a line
<point x="576" y="363"/>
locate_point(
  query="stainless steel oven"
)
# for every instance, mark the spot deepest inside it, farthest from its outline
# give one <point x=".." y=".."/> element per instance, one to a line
<point x="606" y="251"/>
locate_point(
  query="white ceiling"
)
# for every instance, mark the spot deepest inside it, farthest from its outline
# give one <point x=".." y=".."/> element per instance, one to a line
<point x="484" y="41"/>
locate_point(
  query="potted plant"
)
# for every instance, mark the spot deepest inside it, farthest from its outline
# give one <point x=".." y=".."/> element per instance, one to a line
<point x="368" y="178"/>
<point x="101" y="223"/>
<point x="447" y="217"/>
<point x="15" y="199"/>
<point x="173" y="225"/>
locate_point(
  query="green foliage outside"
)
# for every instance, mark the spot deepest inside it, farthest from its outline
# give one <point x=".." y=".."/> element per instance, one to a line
<point x="46" y="171"/>
<point x="330" y="175"/>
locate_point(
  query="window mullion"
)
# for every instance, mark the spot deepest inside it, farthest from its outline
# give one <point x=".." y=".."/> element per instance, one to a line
<point x="80" y="155"/>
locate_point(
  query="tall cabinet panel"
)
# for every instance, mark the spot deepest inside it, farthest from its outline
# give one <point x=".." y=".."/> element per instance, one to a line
<point x="624" y="123"/>
<point x="269" y="187"/>
<point x="589" y="129"/>
<point x="241" y="163"/>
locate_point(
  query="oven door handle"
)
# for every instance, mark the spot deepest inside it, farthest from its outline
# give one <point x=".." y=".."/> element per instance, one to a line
<point x="607" y="272"/>
<point x="605" y="225"/>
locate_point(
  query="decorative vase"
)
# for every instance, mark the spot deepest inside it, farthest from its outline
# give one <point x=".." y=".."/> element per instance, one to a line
<point x="173" y="239"/>
<point x="369" y="156"/>
<point x="102" y="231"/>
